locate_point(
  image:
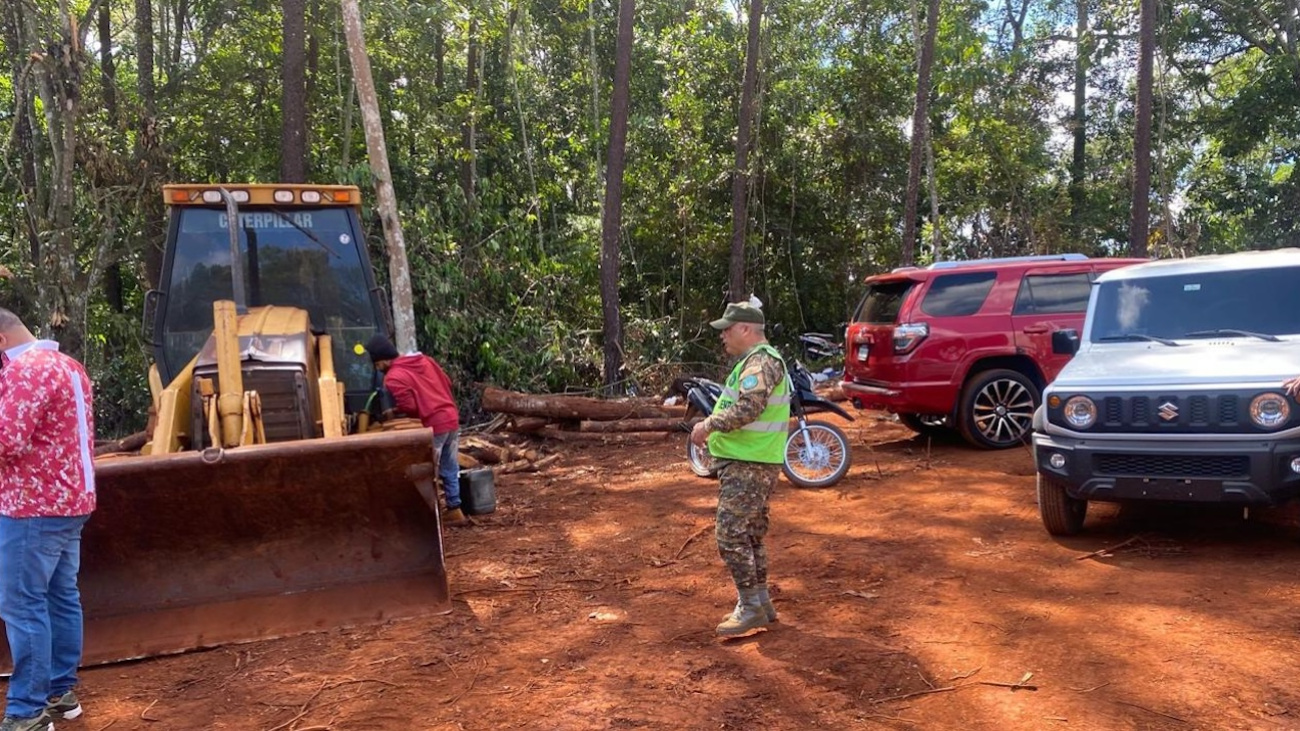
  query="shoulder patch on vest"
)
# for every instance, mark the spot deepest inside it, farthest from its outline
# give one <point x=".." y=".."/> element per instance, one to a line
<point x="749" y="382"/>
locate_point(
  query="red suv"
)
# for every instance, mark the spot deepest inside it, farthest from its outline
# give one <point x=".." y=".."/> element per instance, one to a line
<point x="967" y="344"/>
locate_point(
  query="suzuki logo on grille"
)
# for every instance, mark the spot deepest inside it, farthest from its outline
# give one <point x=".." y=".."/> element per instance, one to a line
<point x="1168" y="411"/>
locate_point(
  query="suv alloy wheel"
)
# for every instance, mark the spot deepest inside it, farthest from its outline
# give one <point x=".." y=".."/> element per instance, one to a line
<point x="997" y="408"/>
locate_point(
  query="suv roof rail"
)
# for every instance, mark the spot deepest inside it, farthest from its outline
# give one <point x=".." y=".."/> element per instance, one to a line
<point x="1006" y="260"/>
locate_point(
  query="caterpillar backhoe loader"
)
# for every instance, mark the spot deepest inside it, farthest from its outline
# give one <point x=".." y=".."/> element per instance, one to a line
<point x="261" y="506"/>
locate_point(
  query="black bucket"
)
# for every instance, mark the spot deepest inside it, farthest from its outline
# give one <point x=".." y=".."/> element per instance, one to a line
<point x="478" y="493"/>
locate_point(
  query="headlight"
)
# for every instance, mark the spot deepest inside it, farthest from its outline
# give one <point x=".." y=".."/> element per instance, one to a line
<point x="1270" y="410"/>
<point x="1080" y="412"/>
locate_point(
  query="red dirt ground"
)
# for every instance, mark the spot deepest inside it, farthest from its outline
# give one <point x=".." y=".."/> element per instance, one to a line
<point x="911" y="595"/>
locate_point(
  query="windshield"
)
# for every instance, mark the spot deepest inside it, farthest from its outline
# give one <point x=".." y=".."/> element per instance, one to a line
<point x="1254" y="301"/>
<point x="883" y="301"/>
<point x="301" y="257"/>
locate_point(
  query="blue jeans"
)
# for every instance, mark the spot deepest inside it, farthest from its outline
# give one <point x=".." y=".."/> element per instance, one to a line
<point x="41" y="608"/>
<point x="447" y="445"/>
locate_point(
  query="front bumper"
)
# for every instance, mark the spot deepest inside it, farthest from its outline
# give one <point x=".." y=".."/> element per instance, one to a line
<point x="1247" y="472"/>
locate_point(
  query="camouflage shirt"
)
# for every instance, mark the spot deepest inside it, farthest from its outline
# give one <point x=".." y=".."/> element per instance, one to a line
<point x="766" y="372"/>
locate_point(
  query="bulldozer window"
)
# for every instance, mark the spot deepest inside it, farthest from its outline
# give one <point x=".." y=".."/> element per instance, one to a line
<point x="311" y="259"/>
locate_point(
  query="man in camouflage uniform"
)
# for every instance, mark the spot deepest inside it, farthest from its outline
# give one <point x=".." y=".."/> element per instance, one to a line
<point x="746" y="433"/>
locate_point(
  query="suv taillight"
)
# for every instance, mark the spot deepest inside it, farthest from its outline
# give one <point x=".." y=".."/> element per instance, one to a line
<point x="908" y="336"/>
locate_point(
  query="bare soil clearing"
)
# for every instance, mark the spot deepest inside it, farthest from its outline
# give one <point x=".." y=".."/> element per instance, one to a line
<point x="916" y="593"/>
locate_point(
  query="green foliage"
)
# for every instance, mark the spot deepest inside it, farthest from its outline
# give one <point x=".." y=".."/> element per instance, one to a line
<point x="506" y="280"/>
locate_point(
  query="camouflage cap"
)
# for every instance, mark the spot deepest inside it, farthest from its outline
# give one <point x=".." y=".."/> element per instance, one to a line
<point x="739" y="312"/>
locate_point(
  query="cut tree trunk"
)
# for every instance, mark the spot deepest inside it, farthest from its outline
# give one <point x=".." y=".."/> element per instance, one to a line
<point x="570" y="407"/>
<point x="638" y="425"/>
<point x="131" y="443"/>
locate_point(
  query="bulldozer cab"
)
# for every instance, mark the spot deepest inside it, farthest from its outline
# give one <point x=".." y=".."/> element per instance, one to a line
<point x="299" y="246"/>
<point x="261" y="506"/>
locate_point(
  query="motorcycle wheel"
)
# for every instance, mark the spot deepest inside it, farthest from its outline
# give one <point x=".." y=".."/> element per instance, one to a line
<point x="701" y="462"/>
<point x="817" y="456"/>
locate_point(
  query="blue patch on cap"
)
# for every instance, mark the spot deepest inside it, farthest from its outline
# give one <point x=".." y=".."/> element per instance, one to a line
<point x="749" y="382"/>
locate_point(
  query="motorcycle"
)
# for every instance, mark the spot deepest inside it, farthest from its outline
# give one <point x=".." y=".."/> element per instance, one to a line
<point x="820" y="346"/>
<point x="816" y="452"/>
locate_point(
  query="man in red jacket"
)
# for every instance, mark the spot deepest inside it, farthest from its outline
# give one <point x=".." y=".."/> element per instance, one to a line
<point x="421" y="389"/>
<point x="47" y="492"/>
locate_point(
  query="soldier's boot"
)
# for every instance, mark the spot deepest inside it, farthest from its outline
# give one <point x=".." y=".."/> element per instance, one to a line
<point x="764" y="600"/>
<point x="748" y="616"/>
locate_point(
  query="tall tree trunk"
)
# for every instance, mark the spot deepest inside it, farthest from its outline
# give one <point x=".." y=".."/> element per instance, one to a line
<point x="439" y="55"/>
<point x="65" y="274"/>
<point x="740" y="176"/>
<point x="144" y="58"/>
<point x="1079" y="120"/>
<point x="107" y="70"/>
<point x="313" y="55"/>
<point x="1138" y="229"/>
<point x="595" y="87"/>
<point x="399" y="270"/>
<point x="180" y="14"/>
<point x="293" y="105"/>
<point x="23" y="138"/>
<point x="108" y="74"/>
<point x="920" y="129"/>
<point x="147" y="140"/>
<point x="535" y="201"/>
<point x="468" y="151"/>
<point x="612" y="218"/>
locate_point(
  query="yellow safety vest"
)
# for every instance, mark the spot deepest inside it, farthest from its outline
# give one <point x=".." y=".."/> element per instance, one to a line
<point x="761" y="440"/>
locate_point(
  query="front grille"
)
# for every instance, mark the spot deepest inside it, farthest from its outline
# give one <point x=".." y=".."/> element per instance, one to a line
<point x="1171" y="465"/>
<point x="1228" y="410"/>
<point x="1171" y="413"/>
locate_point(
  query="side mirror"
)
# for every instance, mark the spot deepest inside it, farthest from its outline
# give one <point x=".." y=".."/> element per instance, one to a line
<point x="152" y="301"/>
<point x="1065" y="342"/>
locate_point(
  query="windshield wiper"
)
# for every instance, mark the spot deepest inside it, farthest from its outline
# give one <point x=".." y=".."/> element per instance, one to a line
<point x="1232" y="331"/>
<point x="310" y="234"/>
<point x="1139" y="336"/>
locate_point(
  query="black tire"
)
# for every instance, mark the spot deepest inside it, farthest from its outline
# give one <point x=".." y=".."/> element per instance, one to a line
<point x="701" y="462"/>
<point x="929" y="425"/>
<point x="820" y="463"/>
<point x="1062" y="515"/>
<point x="997" y="409"/>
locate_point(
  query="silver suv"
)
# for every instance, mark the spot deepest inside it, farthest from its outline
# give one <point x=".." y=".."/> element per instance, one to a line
<point x="1175" y="392"/>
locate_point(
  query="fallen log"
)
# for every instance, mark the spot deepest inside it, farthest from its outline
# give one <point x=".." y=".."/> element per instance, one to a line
<point x="131" y="443"/>
<point x="831" y="393"/>
<point x="559" y="406"/>
<point x="525" y="465"/>
<point x="568" y="435"/>
<point x="638" y="425"/>
<point x="527" y="424"/>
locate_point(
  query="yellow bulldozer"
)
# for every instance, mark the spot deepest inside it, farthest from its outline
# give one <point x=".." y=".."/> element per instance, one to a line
<point x="262" y="505"/>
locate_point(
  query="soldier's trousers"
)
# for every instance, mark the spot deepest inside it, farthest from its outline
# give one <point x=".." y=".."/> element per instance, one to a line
<point x="744" y="489"/>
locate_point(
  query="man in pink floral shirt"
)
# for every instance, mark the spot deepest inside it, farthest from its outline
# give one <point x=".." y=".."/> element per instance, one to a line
<point x="47" y="492"/>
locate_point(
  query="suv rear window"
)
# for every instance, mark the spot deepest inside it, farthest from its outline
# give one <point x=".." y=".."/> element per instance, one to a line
<point x="883" y="301"/>
<point x="1042" y="294"/>
<point x="957" y="295"/>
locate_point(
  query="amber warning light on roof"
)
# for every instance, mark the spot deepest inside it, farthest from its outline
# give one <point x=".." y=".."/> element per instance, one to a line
<point x="262" y="195"/>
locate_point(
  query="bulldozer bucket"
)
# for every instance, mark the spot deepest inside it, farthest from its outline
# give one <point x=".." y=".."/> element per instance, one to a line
<point x="201" y="549"/>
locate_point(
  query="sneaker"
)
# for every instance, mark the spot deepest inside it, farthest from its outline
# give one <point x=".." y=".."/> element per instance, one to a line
<point x="64" y="706"/>
<point x="42" y="722"/>
<point x="450" y="516"/>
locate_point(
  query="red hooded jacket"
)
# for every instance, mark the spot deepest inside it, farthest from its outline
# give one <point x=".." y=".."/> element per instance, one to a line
<point x="421" y="389"/>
